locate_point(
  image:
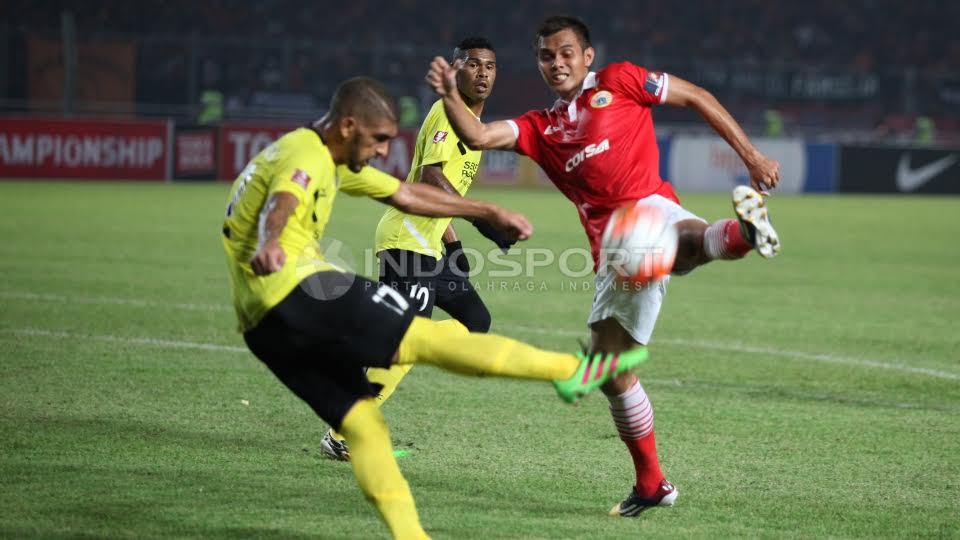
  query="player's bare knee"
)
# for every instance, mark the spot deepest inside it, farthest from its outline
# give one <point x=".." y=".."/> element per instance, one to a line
<point x="619" y="384"/>
<point x="610" y="337"/>
<point x="690" y="252"/>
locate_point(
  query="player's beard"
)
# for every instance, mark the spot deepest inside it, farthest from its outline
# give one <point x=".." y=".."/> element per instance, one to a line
<point x="354" y="161"/>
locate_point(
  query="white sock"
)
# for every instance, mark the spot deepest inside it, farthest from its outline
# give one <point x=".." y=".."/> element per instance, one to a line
<point x="724" y="240"/>
<point x="632" y="413"/>
<point x="713" y="242"/>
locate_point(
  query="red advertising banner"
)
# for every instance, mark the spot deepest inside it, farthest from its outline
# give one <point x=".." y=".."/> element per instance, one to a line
<point x="90" y="149"/>
<point x="196" y="153"/>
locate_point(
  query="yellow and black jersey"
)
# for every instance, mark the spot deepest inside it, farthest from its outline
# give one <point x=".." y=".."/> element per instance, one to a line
<point x="437" y="144"/>
<point x="298" y="163"/>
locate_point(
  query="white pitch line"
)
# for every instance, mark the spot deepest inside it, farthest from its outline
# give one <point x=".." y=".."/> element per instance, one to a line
<point x="168" y="344"/>
<point x="710" y="345"/>
<point x="740" y="348"/>
<point x="150" y="342"/>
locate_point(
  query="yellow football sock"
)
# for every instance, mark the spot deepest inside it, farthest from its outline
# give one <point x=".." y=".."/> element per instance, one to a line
<point x="446" y="346"/>
<point x="376" y="470"/>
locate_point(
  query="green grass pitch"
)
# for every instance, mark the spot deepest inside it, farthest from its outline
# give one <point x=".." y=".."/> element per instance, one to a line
<point x="815" y="395"/>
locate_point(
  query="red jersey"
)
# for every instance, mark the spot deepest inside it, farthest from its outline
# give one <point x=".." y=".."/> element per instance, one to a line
<point x="600" y="150"/>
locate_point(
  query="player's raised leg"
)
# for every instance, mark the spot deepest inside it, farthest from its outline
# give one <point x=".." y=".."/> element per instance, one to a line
<point x="389" y="379"/>
<point x="573" y="375"/>
<point x="728" y="239"/>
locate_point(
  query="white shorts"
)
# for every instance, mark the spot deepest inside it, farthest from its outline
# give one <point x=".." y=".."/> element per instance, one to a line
<point x="636" y="309"/>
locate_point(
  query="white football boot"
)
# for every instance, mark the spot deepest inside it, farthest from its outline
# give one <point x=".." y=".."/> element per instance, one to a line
<point x="333" y="448"/>
<point x="634" y="504"/>
<point x="752" y="213"/>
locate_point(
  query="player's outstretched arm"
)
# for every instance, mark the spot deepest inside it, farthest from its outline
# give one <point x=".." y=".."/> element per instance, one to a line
<point x="269" y="257"/>
<point x="433" y="175"/>
<point x="764" y="172"/>
<point x="477" y="135"/>
<point x="426" y="200"/>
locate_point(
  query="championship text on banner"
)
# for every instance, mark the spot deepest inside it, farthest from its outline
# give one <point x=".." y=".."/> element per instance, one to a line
<point x="865" y="169"/>
<point x="90" y="149"/>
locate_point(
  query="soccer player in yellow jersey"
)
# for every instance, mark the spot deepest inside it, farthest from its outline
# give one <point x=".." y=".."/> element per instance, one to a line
<point x="317" y="327"/>
<point x="408" y="246"/>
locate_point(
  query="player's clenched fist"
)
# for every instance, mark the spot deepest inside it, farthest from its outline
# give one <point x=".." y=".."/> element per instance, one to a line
<point x="442" y="77"/>
<point x="269" y="258"/>
<point x="764" y="173"/>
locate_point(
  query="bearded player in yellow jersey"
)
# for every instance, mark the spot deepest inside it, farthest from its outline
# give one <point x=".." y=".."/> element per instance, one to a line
<point x="420" y="256"/>
<point x="317" y="327"/>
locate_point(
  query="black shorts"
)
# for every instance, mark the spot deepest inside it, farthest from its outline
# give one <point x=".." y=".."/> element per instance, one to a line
<point x="323" y="335"/>
<point x="412" y="274"/>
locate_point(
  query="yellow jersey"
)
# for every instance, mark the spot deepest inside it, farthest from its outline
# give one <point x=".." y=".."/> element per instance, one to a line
<point x="298" y="163"/>
<point x="436" y="144"/>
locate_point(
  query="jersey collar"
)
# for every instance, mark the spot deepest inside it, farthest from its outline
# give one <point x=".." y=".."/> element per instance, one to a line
<point x="590" y="81"/>
<point x="467" y="107"/>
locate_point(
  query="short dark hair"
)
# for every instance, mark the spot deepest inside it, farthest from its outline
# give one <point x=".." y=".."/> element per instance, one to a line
<point x="552" y="25"/>
<point x="364" y="98"/>
<point x="472" y="42"/>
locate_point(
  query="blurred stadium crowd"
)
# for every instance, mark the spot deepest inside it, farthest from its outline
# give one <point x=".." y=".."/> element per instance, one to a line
<point x="868" y="69"/>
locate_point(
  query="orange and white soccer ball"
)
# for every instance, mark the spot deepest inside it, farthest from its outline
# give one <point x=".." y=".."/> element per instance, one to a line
<point x="639" y="244"/>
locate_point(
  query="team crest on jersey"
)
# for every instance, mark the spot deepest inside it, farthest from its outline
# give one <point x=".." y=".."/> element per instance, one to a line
<point x="439" y="137"/>
<point x="601" y="99"/>
<point x="654" y="83"/>
<point x="301" y="178"/>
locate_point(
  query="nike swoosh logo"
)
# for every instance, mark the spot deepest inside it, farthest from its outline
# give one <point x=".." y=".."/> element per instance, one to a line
<point x="910" y="179"/>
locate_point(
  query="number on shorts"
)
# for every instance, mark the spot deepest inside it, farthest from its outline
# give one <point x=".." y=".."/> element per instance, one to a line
<point x="421" y="294"/>
<point x="391" y="299"/>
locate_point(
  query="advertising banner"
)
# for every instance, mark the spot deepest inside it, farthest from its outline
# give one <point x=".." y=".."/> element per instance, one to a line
<point x="90" y="149"/>
<point x="240" y="142"/>
<point x="705" y="164"/>
<point x="865" y="169"/>
<point x="195" y="153"/>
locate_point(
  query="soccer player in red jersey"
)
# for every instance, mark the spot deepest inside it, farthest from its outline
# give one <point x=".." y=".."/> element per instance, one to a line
<point x="597" y="145"/>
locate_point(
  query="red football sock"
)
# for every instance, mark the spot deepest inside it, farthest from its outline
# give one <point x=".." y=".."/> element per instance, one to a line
<point x="645" y="463"/>
<point x="724" y="240"/>
<point x="633" y="416"/>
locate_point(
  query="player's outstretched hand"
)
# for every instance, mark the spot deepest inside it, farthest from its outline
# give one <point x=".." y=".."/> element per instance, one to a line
<point x="515" y="226"/>
<point x="493" y="234"/>
<point x="442" y="77"/>
<point x="764" y="173"/>
<point x="268" y="259"/>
